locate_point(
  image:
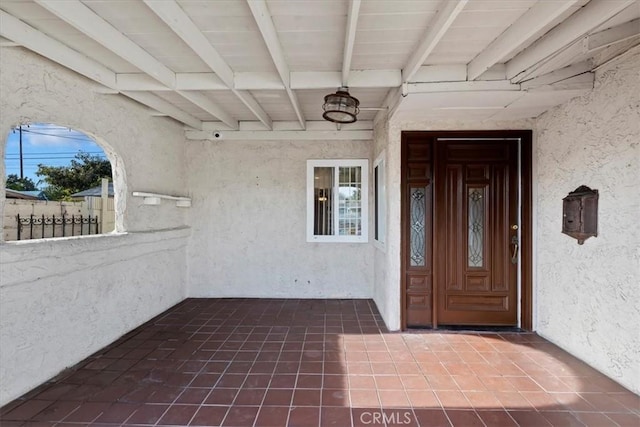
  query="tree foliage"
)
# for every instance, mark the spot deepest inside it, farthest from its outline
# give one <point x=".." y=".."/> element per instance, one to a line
<point x="20" y="184"/>
<point x="84" y="172"/>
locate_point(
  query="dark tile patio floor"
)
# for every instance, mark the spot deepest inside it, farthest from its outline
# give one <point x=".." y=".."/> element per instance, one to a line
<point x="268" y="362"/>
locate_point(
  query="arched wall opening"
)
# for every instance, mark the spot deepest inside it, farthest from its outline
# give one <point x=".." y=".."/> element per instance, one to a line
<point x="63" y="299"/>
<point x="76" y="206"/>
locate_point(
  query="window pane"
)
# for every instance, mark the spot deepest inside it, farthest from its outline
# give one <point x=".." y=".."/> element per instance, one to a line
<point x="379" y="202"/>
<point x="337" y="200"/>
<point x="350" y="201"/>
<point x="376" y="207"/>
<point x="323" y="201"/>
<point x="476" y="227"/>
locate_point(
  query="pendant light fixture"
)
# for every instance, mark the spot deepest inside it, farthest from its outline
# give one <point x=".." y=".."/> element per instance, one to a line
<point x="340" y="107"/>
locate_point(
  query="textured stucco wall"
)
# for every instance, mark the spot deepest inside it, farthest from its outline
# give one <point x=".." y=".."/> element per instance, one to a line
<point x="62" y="300"/>
<point x="387" y="277"/>
<point x="149" y="149"/>
<point x="249" y="223"/>
<point x="589" y="296"/>
<point x="380" y="282"/>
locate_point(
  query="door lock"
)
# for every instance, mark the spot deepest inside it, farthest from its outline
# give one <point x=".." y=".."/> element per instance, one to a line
<point x="514" y="227"/>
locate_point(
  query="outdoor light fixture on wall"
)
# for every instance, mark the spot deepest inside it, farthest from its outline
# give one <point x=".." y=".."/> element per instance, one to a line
<point x="340" y="107"/>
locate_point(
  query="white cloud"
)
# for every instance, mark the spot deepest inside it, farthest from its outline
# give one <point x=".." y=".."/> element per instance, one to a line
<point x="39" y="135"/>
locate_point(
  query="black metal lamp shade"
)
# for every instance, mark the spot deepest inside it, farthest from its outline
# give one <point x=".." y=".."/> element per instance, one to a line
<point x="340" y="107"/>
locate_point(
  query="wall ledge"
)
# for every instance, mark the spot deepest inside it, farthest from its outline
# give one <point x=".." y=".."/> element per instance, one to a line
<point x="33" y="261"/>
<point x="92" y="237"/>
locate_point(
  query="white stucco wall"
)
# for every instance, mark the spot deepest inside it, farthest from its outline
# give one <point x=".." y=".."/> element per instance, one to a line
<point x="387" y="278"/>
<point x="249" y="223"/>
<point x="589" y="296"/>
<point x="381" y="287"/>
<point x="60" y="300"/>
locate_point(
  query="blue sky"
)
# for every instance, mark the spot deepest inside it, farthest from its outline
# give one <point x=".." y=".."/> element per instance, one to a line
<point x="48" y="144"/>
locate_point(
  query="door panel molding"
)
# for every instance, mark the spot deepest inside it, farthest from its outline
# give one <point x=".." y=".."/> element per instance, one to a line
<point x="419" y="293"/>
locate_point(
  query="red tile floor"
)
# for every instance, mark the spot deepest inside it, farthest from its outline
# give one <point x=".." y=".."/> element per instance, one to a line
<point x="243" y="362"/>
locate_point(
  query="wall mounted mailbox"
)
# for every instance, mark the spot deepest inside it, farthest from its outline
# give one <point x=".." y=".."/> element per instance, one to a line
<point x="580" y="214"/>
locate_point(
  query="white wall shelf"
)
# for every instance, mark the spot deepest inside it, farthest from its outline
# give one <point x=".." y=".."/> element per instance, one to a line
<point x="154" y="199"/>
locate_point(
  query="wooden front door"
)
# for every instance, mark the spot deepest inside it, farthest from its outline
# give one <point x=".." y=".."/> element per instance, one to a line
<point x="460" y="231"/>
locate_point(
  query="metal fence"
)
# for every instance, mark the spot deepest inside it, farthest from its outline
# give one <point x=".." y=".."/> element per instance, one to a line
<point x="40" y="227"/>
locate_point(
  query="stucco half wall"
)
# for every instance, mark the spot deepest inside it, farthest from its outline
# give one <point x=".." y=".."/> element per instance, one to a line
<point x="249" y="223"/>
<point x="63" y="299"/>
<point x="588" y="296"/>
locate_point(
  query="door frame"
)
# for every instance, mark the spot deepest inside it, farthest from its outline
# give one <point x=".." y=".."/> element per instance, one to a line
<point x="526" y="226"/>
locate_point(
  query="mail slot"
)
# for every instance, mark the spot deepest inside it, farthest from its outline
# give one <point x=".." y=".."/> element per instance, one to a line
<point x="580" y="214"/>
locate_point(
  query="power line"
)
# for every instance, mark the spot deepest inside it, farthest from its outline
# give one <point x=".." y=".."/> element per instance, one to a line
<point x="46" y="126"/>
<point x="67" y="152"/>
<point x="28" y="157"/>
<point x="59" y="136"/>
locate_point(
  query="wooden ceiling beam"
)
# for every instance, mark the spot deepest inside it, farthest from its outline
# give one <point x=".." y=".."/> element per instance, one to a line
<point x="284" y="135"/>
<point x="262" y="17"/>
<point x="288" y="125"/>
<point x="159" y="104"/>
<point x="582" y="50"/>
<point x="81" y="17"/>
<point x="264" y="80"/>
<point x="527" y="26"/>
<point x="349" y="40"/>
<point x="85" y="20"/>
<point x="449" y="10"/>
<point x="180" y="23"/>
<point x="466" y="86"/>
<point x="558" y="75"/>
<point x="613" y="35"/>
<point x="27" y="36"/>
<point x="592" y="15"/>
<point x="202" y="101"/>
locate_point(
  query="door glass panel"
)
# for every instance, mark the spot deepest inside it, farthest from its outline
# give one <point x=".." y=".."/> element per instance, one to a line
<point x="417" y="241"/>
<point x="476" y="226"/>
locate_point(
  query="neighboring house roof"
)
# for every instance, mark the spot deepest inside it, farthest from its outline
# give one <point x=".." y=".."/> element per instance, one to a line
<point x="26" y="195"/>
<point x="94" y="192"/>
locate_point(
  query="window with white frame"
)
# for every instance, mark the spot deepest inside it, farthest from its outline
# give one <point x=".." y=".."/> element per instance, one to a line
<point x="379" y="194"/>
<point x="337" y="202"/>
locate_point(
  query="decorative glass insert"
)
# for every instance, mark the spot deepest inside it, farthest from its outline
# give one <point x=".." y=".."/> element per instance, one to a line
<point x="417" y="242"/>
<point x="476" y="226"/>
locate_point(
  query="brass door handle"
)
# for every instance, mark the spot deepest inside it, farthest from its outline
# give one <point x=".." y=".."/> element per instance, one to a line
<point x="514" y="252"/>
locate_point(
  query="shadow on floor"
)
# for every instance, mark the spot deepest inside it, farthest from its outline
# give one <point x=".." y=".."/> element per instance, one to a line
<point x="274" y="362"/>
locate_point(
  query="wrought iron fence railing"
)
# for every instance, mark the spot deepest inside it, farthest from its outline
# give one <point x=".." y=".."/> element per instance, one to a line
<point x="40" y="227"/>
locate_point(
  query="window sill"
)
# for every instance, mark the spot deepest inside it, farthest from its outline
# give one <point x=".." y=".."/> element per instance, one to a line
<point x="336" y="239"/>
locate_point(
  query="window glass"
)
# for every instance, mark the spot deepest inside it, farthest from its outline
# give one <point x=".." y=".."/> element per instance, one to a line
<point x="379" y="206"/>
<point x="337" y="200"/>
<point x="350" y="201"/>
<point x="323" y="201"/>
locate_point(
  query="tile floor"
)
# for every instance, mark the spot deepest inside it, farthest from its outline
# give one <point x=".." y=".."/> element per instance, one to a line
<point x="243" y="362"/>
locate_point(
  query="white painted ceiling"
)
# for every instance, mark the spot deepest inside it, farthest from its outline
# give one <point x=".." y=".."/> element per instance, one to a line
<point x="242" y="66"/>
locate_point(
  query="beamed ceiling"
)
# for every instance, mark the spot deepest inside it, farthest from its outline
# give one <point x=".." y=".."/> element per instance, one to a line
<point x="262" y="67"/>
